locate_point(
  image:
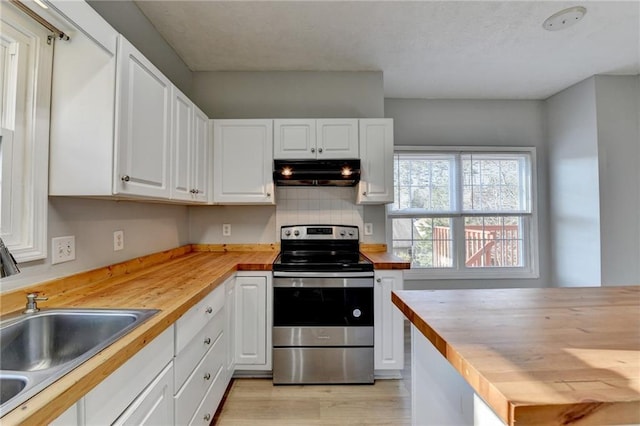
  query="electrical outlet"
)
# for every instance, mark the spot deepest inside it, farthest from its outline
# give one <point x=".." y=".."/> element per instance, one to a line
<point x="118" y="240"/>
<point x="226" y="230"/>
<point x="368" y="229"/>
<point x="63" y="249"/>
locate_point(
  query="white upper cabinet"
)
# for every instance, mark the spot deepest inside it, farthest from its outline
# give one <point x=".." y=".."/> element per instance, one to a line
<point x="337" y="138"/>
<point x="294" y="139"/>
<point x="143" y="126"/>
<point x="311" y="139"/>
<point x="376" y="158"/>
<point x="243" y="162"/>
<point x="189" y="152"/>
<point x="82" y="107"/>
<point x="201" y="156"/>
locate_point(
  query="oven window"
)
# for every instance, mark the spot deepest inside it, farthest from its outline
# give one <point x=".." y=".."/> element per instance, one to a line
<point x="323" y="307"/>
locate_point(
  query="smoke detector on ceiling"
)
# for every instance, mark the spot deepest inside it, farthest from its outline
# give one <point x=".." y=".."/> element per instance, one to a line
<point x="564" y="19"/>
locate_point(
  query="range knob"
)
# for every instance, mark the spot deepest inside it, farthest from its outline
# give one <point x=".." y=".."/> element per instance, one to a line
<point x="351" y="233"/>
<point x="287" y="233"/>
<point x="342" y="233"/>
<point x="296" y="232"/>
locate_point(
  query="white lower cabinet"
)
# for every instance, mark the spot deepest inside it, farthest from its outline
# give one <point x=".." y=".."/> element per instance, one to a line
<point x="154" y="407"/>
<point x="253" y="294"/>
<point x="201" y="358"/>
<point x="389" y="322"/>
<point x="109" y="400"/>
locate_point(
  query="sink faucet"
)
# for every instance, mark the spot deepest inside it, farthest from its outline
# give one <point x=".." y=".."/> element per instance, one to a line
<point x="8" y="265"/>
<point x="32" y="305"/>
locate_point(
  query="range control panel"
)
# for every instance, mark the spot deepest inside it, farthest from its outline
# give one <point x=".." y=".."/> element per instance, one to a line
<point x="319" y="232"/>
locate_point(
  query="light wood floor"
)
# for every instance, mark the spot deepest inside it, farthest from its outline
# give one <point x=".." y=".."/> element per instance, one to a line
<point x="259" y="402"/>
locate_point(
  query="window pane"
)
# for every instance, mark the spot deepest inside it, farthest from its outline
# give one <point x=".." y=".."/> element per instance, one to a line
<point x="496" y="182"/>
<point x="425" y="242"/>
<point x="493" y="241"/>
<point x="423" y="181"/>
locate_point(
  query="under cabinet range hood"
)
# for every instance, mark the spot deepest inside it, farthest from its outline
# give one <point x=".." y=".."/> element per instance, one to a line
<point x="316" y="172"/>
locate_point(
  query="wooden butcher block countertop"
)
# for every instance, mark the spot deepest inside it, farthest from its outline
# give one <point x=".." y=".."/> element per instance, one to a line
<point x="539" y="356"/>
<point x="172" y="281"/>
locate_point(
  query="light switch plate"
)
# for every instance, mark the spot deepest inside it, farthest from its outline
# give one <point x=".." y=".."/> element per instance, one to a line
<point x="63" y="249"/>
<point x="368" y="229"/>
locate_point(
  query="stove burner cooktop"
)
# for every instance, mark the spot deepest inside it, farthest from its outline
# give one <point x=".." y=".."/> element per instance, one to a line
<point x="320" y="248"/>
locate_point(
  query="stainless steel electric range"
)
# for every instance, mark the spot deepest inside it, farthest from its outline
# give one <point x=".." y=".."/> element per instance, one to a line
<point x="322" y="307"/>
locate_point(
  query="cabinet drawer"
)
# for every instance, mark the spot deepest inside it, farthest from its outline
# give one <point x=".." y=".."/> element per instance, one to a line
<point x="154" y="407"/>
<point x="111" y="397"/>
<point x="194" y="320"/>
<point x="191" y="355"/>
<point x="209" y="404"/>
<point x="196" y="386"/>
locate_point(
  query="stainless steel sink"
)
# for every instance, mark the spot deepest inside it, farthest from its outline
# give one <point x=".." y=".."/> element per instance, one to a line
<point x="37" y="349"/>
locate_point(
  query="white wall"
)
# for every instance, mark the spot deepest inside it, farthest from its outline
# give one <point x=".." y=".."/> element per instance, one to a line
<point x="480" y="123"/>
<point x="148" y="228"/>
<point x="574" y="186"/>
<point x="289" y="94"/>
<point x="594" y="142"/>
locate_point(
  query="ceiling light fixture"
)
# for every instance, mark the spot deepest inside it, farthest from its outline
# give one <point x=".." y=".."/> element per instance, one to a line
<point x="564" y="19"/>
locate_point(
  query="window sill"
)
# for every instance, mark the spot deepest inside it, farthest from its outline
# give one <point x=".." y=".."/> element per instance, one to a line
<point x="485" y="274"/>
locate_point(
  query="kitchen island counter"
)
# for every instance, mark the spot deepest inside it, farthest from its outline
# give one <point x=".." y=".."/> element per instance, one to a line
<point x="528" y="356"/>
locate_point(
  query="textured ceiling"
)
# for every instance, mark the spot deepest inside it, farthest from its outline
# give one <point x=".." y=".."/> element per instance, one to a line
<point x="426" y="49"/>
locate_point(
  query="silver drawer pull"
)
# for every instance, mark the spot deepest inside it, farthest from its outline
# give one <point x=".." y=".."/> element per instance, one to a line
<point x="378" y="280"/>
<point x="125" y="178"/>
<point x="207" y="341"/>
<point x="207" y="417"/>
<point x="207" y="376"/>
<point x="209" y="309"/>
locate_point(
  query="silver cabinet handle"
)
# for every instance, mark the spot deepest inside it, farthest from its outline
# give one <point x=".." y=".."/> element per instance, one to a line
<point x="125" y="178"/>
<point x="207" y="417"/>
<point x="378" y="280"/>
<point x="207" y="341"/>
<point x="364" y="193"/>
<point x="209" y="309"/>
<point x="268" y="194"/>
<point x="196" y="191"/>
<point x="320" y="150"/>
<point x="313" y="150"/>
<point x="207" y="376"/>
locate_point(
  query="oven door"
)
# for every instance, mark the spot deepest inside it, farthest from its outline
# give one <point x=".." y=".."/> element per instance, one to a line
<point x="322" y="302"/>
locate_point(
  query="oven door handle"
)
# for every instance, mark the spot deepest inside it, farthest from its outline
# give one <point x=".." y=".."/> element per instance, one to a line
<point x="323" y="274"/>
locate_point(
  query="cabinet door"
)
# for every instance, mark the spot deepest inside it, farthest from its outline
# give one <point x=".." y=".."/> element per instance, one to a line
<point x="251" y="321"/>
<point x="154" y="406"/>
<point x="376" y="157"/>
<point x="182" y="132"/>
<point x="82" y="110"/>
<point x="243" y="161"/>
<point x="294" y="139"/>
<point x="143" y="115"/>
<point x="337" y="138"/>
<point x="389" y="322"/>
<point x="200" y="156"/>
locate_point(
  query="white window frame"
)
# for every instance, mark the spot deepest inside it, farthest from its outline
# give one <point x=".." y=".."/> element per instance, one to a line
<point x="25" y="168"/>
<point x="530" y="270"/>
